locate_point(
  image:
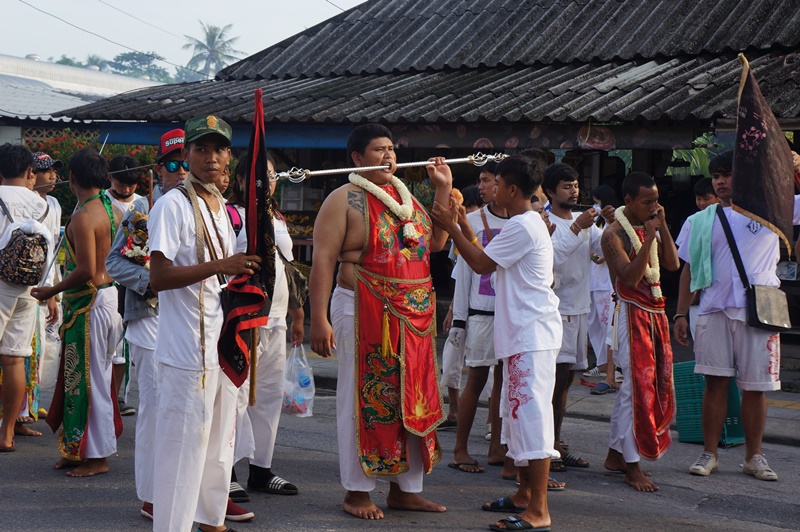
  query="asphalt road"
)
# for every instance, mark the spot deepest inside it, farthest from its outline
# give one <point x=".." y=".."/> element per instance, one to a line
<point x="36" y="497"/>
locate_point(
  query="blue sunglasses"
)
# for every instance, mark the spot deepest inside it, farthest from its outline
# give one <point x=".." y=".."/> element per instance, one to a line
<point x="172" y="166"/>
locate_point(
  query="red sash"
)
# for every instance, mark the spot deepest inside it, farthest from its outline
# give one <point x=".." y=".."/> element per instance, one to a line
<point x="651" y="368"/>
<point x="397" y="388"/>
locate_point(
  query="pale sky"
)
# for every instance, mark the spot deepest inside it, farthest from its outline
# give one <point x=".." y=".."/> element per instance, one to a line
<point x="258" y="23"/>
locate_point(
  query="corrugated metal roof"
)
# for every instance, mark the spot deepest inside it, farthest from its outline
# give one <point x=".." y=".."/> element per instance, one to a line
<point x="385" y="36"/>
<point x="685" y="88"/>
<point x="71" y="79"/>
<point x="26" y="98"/>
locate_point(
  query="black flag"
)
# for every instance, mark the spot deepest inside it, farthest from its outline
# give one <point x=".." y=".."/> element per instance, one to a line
<point x="248" y="298"/>
<point x="763" y="176"/>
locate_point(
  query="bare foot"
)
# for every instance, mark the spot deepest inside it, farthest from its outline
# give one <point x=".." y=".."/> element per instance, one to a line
<point x="25" y="419"/>
<point x="616" y="463"/>
<point x="400" y="500"/>
<point x="90" y="468"/>
<point x="66" y="462"/>
<point x="22" y="430"/>
<point x="509" y="470"/>
<point x="357" y="503"/>
<point x="637" y="478"/>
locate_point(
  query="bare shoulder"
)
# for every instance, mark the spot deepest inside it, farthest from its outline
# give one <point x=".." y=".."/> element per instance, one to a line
<point x="611" y="232"/>
<point x="343" y="199"/>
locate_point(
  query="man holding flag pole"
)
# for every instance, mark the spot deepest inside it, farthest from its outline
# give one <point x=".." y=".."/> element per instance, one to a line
<point x="192" y="247"/>
<point x="755" y="185"/>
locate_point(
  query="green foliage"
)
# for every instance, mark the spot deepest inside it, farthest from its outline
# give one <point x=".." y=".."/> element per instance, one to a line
<point x="64" y="146"/>
<point x="139" y="64"/>
<point x="697" y="157"/>
<point x="69" y="61"/>
<point x="184" y="75"/>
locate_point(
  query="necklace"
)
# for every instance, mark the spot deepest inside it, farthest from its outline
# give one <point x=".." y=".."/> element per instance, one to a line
<point x="87" y="200"/>
<point x="652" y="272"/>
<point x="402" y="212"/>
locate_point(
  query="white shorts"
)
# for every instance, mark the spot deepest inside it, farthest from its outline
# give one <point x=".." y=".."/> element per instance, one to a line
<point x="17" y="324"/>
<point x="479" y="345"/>
<point x="574" y="342"/>
<point x="599" y="323"/>
<point x="526" y="405"/>
<point x="730" y="348"/>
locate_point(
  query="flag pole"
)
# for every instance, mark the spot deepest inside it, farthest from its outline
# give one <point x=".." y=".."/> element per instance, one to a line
<point x="151" y="189"/>
<point x="253" y="349"/>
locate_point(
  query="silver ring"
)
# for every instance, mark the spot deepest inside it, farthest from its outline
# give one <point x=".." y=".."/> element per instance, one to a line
<point x="247" y="264"/>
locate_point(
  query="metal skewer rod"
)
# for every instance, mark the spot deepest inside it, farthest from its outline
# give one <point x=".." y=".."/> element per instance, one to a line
<point x="297" y="175"/>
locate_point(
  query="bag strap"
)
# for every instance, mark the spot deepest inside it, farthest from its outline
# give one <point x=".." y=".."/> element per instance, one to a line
<point x="236" y="219"/>
<point x="486" y="229"/>
<point x="46" y="212"/>
<point x="211" y="250"/>
<point x="5" y="210"/>
<point x="737" y="258"/>
<point x="11" y="218"/>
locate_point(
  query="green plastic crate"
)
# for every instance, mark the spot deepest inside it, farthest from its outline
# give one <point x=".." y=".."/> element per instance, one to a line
<point x="689" y="398"/>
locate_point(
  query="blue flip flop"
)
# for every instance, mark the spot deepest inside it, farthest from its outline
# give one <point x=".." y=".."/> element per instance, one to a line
<point x="602" y="388"/>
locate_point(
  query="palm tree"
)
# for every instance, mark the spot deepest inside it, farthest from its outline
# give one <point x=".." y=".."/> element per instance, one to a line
<point x="214" y="52"/>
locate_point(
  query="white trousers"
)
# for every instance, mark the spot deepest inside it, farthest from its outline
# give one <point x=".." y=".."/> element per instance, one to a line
<point x="526" y="406"/>
<point x="106" y="330"/>
<point x="144" y="457"/>
<point x="48" y="364"/>
<point x="600" y="323"/>
<point x="194" y="442"/>
<point x="621" y="438"/>
<point x="351" y="473"/>
<point x="257" y="425"/>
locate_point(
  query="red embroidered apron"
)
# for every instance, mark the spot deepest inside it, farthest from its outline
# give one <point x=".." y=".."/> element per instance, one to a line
<point x="651" y="366"/>
<point x="397" y="392"/>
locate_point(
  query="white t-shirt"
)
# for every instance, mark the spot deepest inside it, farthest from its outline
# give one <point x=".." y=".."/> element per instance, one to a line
<point x="758" y="247"/>
<point x="526" y="316"/>
<point x="476" y="291"/>
<point x="599" y="279"/>
<point x="572" y="261"/>
<point x="22" y="204"/>
<point x="143" y="332"/>
<point x="796" y="211"/>
<point x="172" y="232"/>
<point x="280" y="299"/>
<point x="53" y="224"/>
<point x="119" y="207"/>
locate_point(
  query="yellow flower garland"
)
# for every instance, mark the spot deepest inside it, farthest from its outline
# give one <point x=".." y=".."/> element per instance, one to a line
<point x="652" y="272"/>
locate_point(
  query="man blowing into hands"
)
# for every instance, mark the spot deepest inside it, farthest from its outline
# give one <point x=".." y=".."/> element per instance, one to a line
<point x="635" y="246"/>
<point x="387" y="399"/>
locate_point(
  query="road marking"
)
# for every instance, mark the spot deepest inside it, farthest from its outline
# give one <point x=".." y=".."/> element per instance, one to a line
<point x="783" y="404"/>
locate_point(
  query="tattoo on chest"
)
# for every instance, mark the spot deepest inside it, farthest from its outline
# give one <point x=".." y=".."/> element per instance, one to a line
<point x="355" y="199"/>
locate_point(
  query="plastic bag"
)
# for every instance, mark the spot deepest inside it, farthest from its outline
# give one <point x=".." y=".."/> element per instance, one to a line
<point x="298" y="384"/>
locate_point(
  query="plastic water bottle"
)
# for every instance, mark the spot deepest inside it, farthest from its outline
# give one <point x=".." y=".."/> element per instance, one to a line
<point x="305" y="381"/>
